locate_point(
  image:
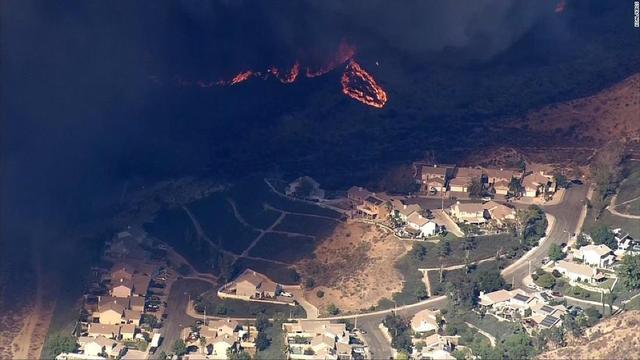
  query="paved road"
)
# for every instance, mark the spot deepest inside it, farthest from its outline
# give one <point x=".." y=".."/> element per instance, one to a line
<point x="567" y="215"/>
<point x="176" y="304"/>
<point x="379" y="346"/>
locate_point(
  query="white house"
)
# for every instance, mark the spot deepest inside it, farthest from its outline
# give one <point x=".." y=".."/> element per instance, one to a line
<point x="98" y="346"/>
<point x="472" y="213"/>
<point x="578" y="272"/>
<point x="596" y="255"/>
<point x="424" y="321"/>
<point x="419" y="222"/>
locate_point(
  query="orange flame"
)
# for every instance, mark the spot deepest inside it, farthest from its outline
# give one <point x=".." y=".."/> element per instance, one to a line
<point x="240" y="77"/>
<point x="361" y="86"/>
<point x="289" y="77"/>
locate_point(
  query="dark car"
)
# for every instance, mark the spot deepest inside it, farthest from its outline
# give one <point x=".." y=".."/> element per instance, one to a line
<point x="577" y="182"/>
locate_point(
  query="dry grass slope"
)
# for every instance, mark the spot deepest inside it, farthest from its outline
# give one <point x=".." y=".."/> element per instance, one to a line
<point x="613" y="338"/>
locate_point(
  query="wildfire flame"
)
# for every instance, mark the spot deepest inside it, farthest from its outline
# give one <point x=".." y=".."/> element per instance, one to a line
<point x="560" y="6"/>
<point x="356" y="82"/>
<point x="289" y="77"/>
<point x="361" y="86"/>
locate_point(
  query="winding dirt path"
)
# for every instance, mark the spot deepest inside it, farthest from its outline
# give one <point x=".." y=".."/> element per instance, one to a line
<point x="612" y="207"/>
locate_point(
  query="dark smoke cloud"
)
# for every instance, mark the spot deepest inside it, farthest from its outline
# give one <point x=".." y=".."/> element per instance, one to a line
<point x="483" y="28"/>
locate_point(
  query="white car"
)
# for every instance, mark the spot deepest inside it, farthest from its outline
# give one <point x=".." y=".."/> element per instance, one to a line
<point x="285" y="294"/>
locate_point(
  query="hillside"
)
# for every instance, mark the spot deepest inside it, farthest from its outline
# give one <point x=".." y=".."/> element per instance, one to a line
<point x="613" y="338"/>
<point x="613" y="113"/>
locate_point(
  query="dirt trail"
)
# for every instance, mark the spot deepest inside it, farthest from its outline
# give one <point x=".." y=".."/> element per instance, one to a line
<point x="612" y="208"/>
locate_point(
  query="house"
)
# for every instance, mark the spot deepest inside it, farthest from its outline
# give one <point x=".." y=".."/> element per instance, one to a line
<point x="494" y="176"/>
<point x="499" y="213"/>
<point x="97" y="346"/>
<point x="459" y="184"/>
<point x="422" y="224"/>
<point x="437" y="347"/>
<point x="596" y="255"/>
<point x="107" y="330"/>
<point x="537" y="183"/>
<point x="137" y="303"/>
<point x="463" y="178"/>
<point x="472" y="213"/>
<point x="501" y="187"/>
<point x="547" y="316"/>
<point x="434" y="178"/>
<point x="374" y="208"/>
<point x="253" y="285"/>
<point x="405" y="210"/>
<point x="103" y="300"/>
<point x="132" y="317"/>
<point x="357" y="194"/>
<point x="110" y="313"/>
<point x="578" y="272"/>
<point x="315" y="339"/>
<point x="140" y="284"/>
<point x="121" y="271"/>
<point x="121" y="288"/>
<point x="223" y="327"/>
<point x="128" y="331"/>
<point x="76" y="356"/>
<point x="424" y="321"/>
<point x="496" y="298"/>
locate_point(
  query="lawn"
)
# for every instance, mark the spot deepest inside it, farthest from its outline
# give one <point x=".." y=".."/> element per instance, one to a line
<point x="274" y="351"/>
<point x="218" y="221"/>
<point x="240" y="308"/>
<point x="630" y="188"/>
<point x="632" y="226"/>
<point x="284" y="247"/>
<point x="308" y="225"/>
<point x="276" y="272"/>
<point x="500" y="329"/>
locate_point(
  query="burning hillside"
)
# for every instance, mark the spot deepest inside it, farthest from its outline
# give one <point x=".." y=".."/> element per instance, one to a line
<point x="360" y="85"/>
<point x="356" y="82"/>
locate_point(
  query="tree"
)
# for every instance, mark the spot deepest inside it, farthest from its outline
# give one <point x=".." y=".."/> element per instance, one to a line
<point x="535" y="225"/>
<point x="262" y="341"/>
<point x="475" y="188"/>
<point x="418" y="252"/>
<point x="179" y="347"/>
<point x="489" y="280"/>
<point x="162" y="356"/>
<point x="603" y="235"/>
<point x="332" y="309"/>
<point x="561" y="180"/>
<point x="546" y="280"/>
<point x="421" y="291"/>
<point x="150" y="320"/>
<point x="515" y="187"/>
<point x="444" y="248"/>
<point x="555" y="252"/>
<point x="61" y="344"/>
<point x="581" y="241"/>
<point x="399" y="330"/>
<point x="606" y="170"/>
<point x="262" y="321"/>
<point x="518" y="346"/>
<point x="629" y="272"/>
